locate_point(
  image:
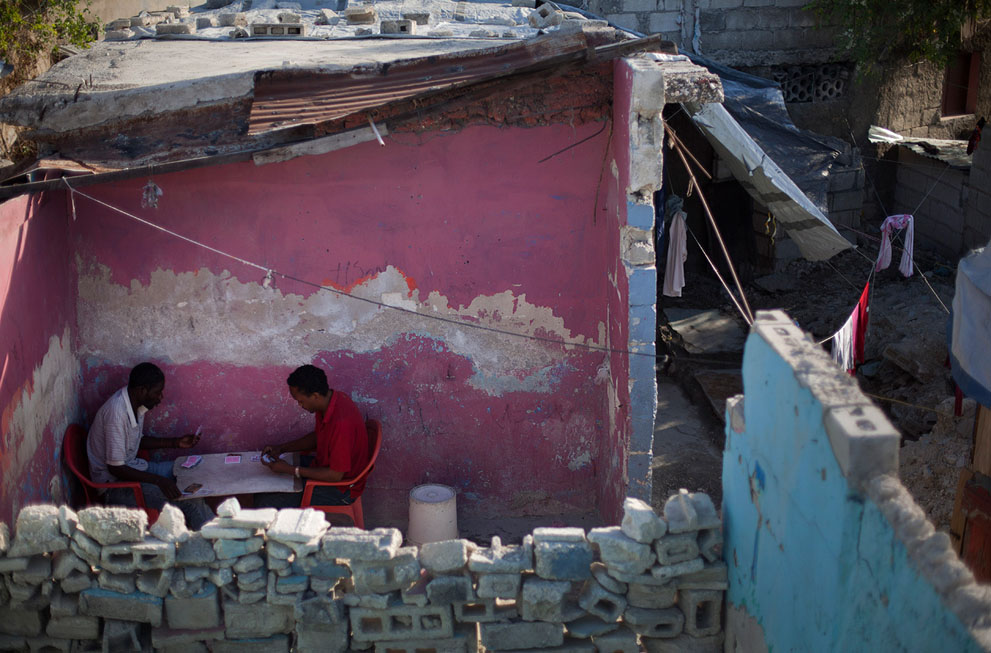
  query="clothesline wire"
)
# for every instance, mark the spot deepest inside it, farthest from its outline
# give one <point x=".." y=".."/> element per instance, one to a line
<point x="343" y="293"/>
<point x="905" y="403"/>
<point x="720" y="277"/>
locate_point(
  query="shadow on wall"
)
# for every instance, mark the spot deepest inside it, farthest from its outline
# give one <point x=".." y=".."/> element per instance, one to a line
<point x="826" y="550"/>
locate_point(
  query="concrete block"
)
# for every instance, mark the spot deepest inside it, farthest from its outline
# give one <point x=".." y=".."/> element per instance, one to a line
<point x="68" y="520"/>
<point x="679" y="547"/>
<point x="464" y="640"/>
<point x="183" y="589"/>
<point x="864" y="442"/>
<point x="65" y="562"/>
<point x="273" y="644"/>
<point x="252" y="519"/>
<point x="73" y="627"/>
<point x="200" y="611"/>
<point x="252" y="581"/>
<point x="256" y="620"/>
<point x="498" y="586"/>
<point x="10" y="565"/>
<point x="12" y="642"/>
<point x="304" y="549"/>
<point x="526" y="634"/>
<point x="113" y="524"/>
<point x="274" y="597"/>
<point x="117" y="558"/>
<point x="485" y="611"/>
<point x="376" y="601"/>
<point x="621" y="552"/>
<point x="703" y="610"/>
<point x="313" y="566"/>
<point x="600" y="574"/>
<point x="359" y="545"/>
<point x="418" y="17"/>
<point x="232" y="20"/>
<point x="38" y="570"/>
<point x="170" y="525"/>
<point x="556" y="560"/>
<point x="37" y="531"/>
<point x="125" y="607"/>
<point x="499" y="559"/>
<point x="121" y="583"/>
<point x="216" y="530"/>
<point x="449" y="556"/>
<point x="62" y="604"/>
<point x="404" y="622"/>
<point x="554" y="534"/>
<point x="397" y="27"/>
<point x="687" y="511"/>
<point x="174" y="28"/>
<point x="668" y="622"/>
<point x="85" y="547"/>
<point x="196" y="551"/>
<point x="226" y="549"/>
<point x="278" y="550"/>
<point x="193" y="574"/>
<point x="278" y="564"/>
<point x="600" y="602"/>
<point x="360" y="15"/>
<point x="640" y="522"/>
<point x="620" y="640"/>
<point x="643" y="579"/>
<point x="543" y="600"/>
<point x="50" y="644"/>
<point x="221" y="577"/>
<point x="122" y="636"/>
<point x="245" y="598"/>
<point x="155" y="582"/>
<point x="546" y="15"/>
<point x="685" y="644"/>
<point x="164" y="638"/>
<point x="320" y="612"/>
<point x="589" y="626"/>
<point x="386" y="576"/>
<point x="712" y="577"/>
<point x="665" y="573"/>
<point x="710" y="544"/>
<point x="153" y="554"/>
<point x="445" y="590"/>
<point x="654" y="597"/>
<point x="291" y="584"/>
<point x="205" y="22"/>
<point x="76" y="582"/>
<point x="247" y="563"/>
<point x="21" y="622"/>
<point x="327" y="17"/>
<point x="309" y="640"/>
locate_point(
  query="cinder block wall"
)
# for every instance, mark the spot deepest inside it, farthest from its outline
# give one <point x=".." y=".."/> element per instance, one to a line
<point x="937" y="196"/>
<point x="267" y="580"/>
<point x="826" y="550"/>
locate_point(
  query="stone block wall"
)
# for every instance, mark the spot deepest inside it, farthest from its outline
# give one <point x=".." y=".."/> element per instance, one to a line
<point x="825" y="549"/>
<point x="267" y="580"/>
<point x="938" y="196"/>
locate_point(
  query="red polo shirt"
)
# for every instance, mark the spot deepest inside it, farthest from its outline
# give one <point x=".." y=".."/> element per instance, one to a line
<point x="342" y="442"/>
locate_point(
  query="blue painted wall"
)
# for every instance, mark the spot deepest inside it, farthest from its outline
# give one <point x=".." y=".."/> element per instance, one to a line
<point x="812" y="560"/>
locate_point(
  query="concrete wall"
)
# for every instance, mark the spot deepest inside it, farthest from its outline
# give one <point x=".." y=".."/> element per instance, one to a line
<point x="938" y="197"/>
<point x="432" y="224"/>
<point x="260" y="580"/>
<point x="977" y="220"/>
<point x="826" y="549"/>
<point x="39" y="373"/>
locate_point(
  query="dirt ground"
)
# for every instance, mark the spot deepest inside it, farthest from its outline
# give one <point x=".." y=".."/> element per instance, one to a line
<point x="904" y="372"/>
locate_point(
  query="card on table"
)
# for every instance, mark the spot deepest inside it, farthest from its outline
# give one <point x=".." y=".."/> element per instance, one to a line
<point x="232" y="458"/>
<point x="192" y="461"/>
<point x="192" y="488"/>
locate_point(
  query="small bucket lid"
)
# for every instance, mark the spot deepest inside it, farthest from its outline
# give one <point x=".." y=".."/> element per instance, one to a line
<point x="432" y="493"/>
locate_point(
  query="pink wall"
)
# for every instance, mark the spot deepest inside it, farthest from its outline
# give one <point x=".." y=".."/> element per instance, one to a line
<point x="38" y="374"/>
<point x="469" y="226"/>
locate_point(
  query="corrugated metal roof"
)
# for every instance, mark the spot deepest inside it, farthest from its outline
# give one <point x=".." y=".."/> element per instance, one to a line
<point x="291" y="98"/>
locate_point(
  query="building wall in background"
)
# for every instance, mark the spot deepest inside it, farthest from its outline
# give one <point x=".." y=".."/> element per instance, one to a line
<point x="826" y="549"/>
<point x="39" y="374"/>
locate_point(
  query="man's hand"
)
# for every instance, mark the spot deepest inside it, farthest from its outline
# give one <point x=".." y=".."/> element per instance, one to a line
<point x="278" y="466"/>
<point x="168" y="488"/>
<point x="187" y="441"/>
<point x="274" y="450"/>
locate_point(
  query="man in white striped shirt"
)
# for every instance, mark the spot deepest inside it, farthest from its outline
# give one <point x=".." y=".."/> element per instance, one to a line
<point x="117" y="434"/>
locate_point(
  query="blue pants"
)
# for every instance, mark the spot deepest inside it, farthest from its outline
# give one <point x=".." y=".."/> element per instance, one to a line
<point x="196" y="511"/>
<point x="322" y="496"/>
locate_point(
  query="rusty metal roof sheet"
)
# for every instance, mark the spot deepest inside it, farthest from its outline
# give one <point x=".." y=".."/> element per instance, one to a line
<point x="291" y="98"/>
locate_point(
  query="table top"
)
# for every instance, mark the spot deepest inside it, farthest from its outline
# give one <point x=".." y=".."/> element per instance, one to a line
<point x="236" y="472"/>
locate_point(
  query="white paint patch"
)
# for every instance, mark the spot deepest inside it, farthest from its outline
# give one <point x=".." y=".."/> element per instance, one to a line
<point x="202" y="316"/>
<point x="50" y="400"/>
<point x="576" y="463"/>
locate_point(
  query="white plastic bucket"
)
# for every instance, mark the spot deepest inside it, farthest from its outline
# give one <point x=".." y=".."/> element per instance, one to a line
<point x="433" y="514"/>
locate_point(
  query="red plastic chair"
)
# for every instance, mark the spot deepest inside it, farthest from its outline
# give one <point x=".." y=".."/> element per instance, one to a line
<point x="74" y="453"/>
<point x="354" y="511"/>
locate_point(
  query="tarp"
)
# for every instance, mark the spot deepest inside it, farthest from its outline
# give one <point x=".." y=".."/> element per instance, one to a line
<point x="970" y="334"/>
<point x="784" y="168"/>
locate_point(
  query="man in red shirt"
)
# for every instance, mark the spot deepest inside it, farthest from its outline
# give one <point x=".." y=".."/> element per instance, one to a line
<point x="339" y="439"/>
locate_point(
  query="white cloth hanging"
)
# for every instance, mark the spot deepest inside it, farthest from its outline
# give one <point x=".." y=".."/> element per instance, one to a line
<point x="891" y="223"/>
<point x="674" y="270"/>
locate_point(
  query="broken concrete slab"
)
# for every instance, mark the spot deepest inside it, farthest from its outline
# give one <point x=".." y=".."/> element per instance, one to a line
<point x="170" y="525"/>
<point x="361" y="545"/>
<point x="297" y="525"/>
<point x="37" y="531"/>
<point x="448" y="556"/>
<point x="113" y="524"/>
<point x="621" y="552"/>
<point x="707" y="331"/>
<point x="640" y="522"/>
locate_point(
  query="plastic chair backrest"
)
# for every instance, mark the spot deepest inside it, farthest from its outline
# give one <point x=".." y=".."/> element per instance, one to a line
<point x="74" y="452"/>
<point x="374" y="429"/>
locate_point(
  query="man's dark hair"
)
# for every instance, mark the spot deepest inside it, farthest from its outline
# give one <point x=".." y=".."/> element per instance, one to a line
<point x="145" y="375"/>
<point x="310" y="379"/>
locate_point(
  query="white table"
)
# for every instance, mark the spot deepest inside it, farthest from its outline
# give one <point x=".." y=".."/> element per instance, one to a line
<point x="220" y="478"/>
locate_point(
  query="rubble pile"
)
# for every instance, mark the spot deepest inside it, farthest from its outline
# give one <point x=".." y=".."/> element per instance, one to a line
<point x="267" y="580"/>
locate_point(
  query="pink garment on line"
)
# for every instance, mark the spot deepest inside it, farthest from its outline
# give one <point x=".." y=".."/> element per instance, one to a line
<point x="674" y="270"/>
<point x="891" y="223"/>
